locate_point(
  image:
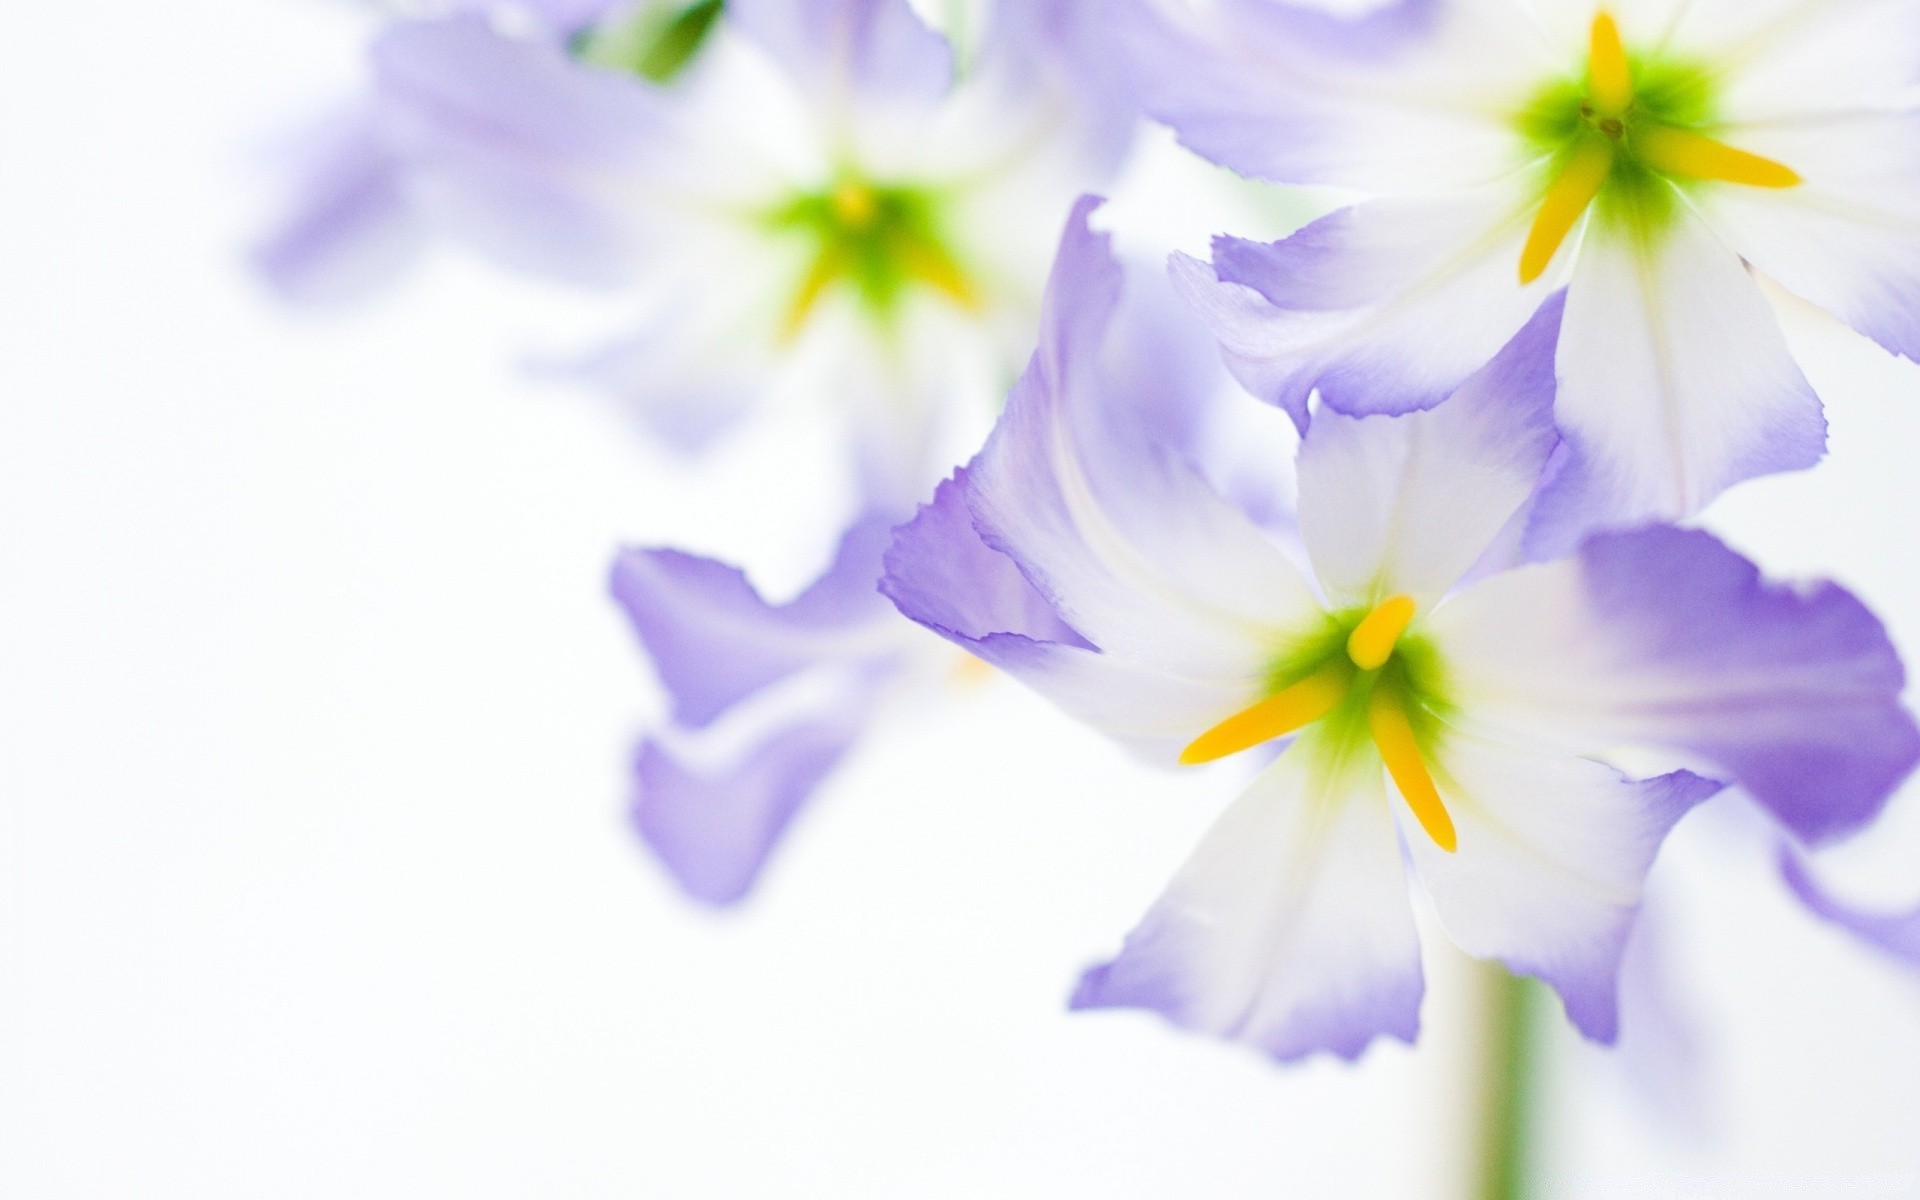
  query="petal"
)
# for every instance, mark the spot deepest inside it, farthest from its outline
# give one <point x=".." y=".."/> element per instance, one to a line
<point x="713" y="826"/>
<point x="350" y="226"/>
<point x="1553" y="853"/>
<point x="714" y="640"/>
<point x="1665" y="640"/>
<point x="1795" y="58"/>
<point x="1408" y="504"/>
<point x="1895" y="934"/>
<point x="1675" y="383"/>
<point x="1848" y="237"/>
<point x="1289" y="929"/>
<point x="517" y="148"/>
<point x="1395" y="100"/>
<point x="877" y="47"/>
<point x="940" y="573"/>
<point x="1127" y="543"/>
<point x="1384" y="307"/>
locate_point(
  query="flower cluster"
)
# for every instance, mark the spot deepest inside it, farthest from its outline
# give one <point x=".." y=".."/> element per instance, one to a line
<point x="1459" y="630"/>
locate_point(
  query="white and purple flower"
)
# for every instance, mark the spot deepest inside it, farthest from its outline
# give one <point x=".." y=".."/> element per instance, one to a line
<point x="819" y="204"/>
<point x="1644" y="157"/>
<point x="1519" y="739"/>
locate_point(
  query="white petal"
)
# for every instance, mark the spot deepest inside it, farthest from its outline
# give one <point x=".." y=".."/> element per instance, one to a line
<point x="1288" y="929"/>
<point x="1675" y="381"/>
<point x="1848" y="238"/>
<point x="1408" y="504"/>
<point x="1552" y="856"/>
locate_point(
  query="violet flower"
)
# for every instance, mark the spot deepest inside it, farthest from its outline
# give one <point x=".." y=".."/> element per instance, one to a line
<point x="1475" y="735"/>
<point x="1645" y="157"/>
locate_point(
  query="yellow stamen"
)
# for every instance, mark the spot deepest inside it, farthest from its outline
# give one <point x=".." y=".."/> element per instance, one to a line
<point x="1400" y="750"/>
<point x="1610" y="79"/>
<point x="970" y="671"/>
<point x="935" y="268"/>
<point x="1372" y="641"/>
<point x="1281" y="713"/>
<point x="1579" y="182"/>
<point x="820" y="276"/>
<point x="1677" y="152"/>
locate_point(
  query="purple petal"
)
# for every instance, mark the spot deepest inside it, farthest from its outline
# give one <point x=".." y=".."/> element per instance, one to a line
<point x="714" y="640"/>
<point x="1895" y="934"/>
<point x="516" y="147"/>
<point x="941" y="574"/>
<point x="351" y="226"/>
<point x="1798" y="688"/>
<point x="876" y="47"/>
<point x="713" y="828"/>
<point x="1666" y="640"/>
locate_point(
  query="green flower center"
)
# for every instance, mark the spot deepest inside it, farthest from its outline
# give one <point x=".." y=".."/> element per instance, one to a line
<point x="1621" y="139"/>
<point x="1373" y="694"/>
<point x="881" y="242"/>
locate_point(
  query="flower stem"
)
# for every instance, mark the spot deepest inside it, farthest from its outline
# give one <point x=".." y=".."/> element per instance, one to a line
<point x="1510" y="1088"/>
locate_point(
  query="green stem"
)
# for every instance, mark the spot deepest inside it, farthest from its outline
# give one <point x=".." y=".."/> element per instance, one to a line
<point x="1511" y="1091"/>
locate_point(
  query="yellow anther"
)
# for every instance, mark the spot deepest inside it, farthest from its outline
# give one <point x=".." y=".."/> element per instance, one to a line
<point x="1372" y="641"/>
<point x="854" y="204"/>
<point x="1279" y="714"/>
<point x="934" y="267"/>
<point x="1609" y="78"/>
<point x="1689" y="155"/>
<point x="1400" y="750"/>
<point x="969" y="671"/>
<point x="1571" y="192"/>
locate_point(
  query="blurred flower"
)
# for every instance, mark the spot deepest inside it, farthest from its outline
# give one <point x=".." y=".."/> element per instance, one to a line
<point x="1639" y="155"/>
<point x="1497" y="707"/>
<point x="805" y="196"/>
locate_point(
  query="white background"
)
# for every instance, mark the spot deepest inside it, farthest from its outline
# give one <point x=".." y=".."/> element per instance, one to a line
<point x="313" y="717"/>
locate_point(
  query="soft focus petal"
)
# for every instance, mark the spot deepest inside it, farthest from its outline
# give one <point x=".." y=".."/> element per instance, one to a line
<point x="714" y="826"/>
<point x="1848" y="238"/>
<point x="1289" y="929"/>
<point x="1893" y="933"/>
<point x="1398" y="98"/>
<point x="1794" y="59"/>
<point x="1407" y="504"/>
<point x="350" y="226"/>
<point x="1664" y="639"/>
<point x="1553" y="853"/>
<point x="517" y="148"/>
<point x="1384" y="307"/>
<point x="837" y="47"/>
<point x="714" y="640"/>
<point x="1128" y="544"/>
<point x="1675" y="383"/>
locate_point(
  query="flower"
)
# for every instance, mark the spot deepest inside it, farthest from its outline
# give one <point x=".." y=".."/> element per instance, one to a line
<point x="1471" y="723"/>
<point x="1640" y="156"/>
<point x="817" y="205"/>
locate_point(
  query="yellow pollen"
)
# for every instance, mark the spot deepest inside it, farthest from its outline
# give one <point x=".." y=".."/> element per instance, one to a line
<point x="1283" y="712"/>
<point x="1371" y="643"/>
<point x="1578" y="183"/>
<point x="1400" y="750"/>
<point x="937" y="270"/>
<point x="1691" y="156"/>
<point x="970" y="671"/>
<point x="1609" y="78"/>
<point x="855" y="204"/>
